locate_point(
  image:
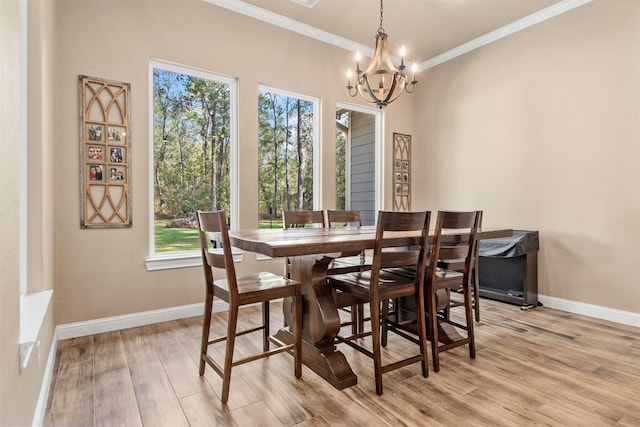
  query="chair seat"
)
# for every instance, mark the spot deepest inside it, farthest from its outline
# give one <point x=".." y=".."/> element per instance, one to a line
<point x="257" y="287"/>
<point x="349" y="264"/>
<point x="390" y="285"/>
<point x="442" y="274"/>
<point x="451" y="264"/>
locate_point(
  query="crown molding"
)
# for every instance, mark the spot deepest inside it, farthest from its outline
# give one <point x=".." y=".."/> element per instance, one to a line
<point x="255" y="12"/>
<point x="519" y="25"/>
<point x="289" y="24"/>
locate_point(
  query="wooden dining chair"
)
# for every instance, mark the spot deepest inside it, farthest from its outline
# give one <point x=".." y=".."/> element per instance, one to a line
<point x="316" y="219"/>
<point x="458" y="265"/>
<point x="302" y="219"/>
<point x="238" y="291"/>
<point x="349" y="262"/>
<point x="349" y="218"/>
<point x="380" y="284"/>
<point x="454" y="238"/>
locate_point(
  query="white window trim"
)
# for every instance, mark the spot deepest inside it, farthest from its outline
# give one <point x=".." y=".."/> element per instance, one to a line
<point x="169" y="260"/>
<point x="23" y="150"/>
<point x="33" y="305"/>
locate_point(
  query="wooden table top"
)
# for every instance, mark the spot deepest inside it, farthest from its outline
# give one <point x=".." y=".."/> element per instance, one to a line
<point x="308" y="241"/>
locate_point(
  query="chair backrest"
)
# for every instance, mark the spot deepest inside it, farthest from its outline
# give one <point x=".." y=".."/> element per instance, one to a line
<point x="455" y="238"/>
<point x="213" y="229"/>
<point x="414" y="256"/>
<point x="343" y="218"/>
<point x="300" y="219"/>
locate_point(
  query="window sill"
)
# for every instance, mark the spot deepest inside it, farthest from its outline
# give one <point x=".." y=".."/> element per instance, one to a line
<point x="180" y="260"/>
<point x="33" y="308"/>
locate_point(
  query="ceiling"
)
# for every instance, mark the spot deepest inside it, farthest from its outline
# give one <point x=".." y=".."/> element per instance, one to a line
<point x="432" y="31"/>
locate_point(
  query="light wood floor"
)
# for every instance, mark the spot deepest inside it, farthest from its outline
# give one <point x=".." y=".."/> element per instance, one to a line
<point x="542" y="367"/>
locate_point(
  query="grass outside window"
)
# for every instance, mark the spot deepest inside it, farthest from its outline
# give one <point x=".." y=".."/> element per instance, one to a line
<point x="178" y="239"/>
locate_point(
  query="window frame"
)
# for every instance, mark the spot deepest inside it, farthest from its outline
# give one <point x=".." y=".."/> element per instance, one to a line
<point x="169" y="260"/>
<point x="317" y="153"/>
<point x="379" y="152"/>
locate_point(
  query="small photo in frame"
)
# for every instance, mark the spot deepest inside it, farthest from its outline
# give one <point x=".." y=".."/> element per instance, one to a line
<point x="95" y="152"/>
<point x="405" y="177"/>
<point x="398" y="176"/>
<point x="398" y="188"/>
<point x="398" y="165"/>
<point x="405" y="166"/>
<point x="95" y="173"/>
<point x="116" y="135"/>
<point x="405" y="188"/>
<point x="116" y="155"/>
<point x="117" y="174"/>
<point x="95" y="132"/>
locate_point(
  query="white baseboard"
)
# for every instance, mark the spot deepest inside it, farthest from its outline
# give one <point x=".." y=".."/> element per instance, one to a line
<point x="116" y="323"/>
<point x="591" y="310"/>
<point x="41" y="405"/>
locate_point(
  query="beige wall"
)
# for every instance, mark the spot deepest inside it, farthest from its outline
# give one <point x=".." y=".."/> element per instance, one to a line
<point x="101" y="273"/>
<point x="542" y="130"/>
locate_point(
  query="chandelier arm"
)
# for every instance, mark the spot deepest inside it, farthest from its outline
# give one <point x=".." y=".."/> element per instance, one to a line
<point x="365" y="92"/>
<point x="388" y="99"/>
<point x="411" y="85"/>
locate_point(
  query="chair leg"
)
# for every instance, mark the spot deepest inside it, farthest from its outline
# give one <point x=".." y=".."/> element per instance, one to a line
<point x="228" y="357"/>
<point x="433" y="327"/>
<point x="206" y="327"/>
<point x="375" y="337"/>
<point x="266" y="325"/>
<point x="447" y="310"/>
<point x="469" y="317"/>
<point x="422" y="331"/>
<point x="385" y="316"/>
<point x="354" y="319"/>
<point x="476" y="290"/>
<point x="297" y="333"/>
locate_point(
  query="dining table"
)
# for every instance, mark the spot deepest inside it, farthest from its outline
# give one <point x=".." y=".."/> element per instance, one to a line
<point x="310" y="252"/>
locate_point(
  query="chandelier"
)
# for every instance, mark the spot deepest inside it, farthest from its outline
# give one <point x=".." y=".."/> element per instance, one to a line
<point x="381" y="83"/>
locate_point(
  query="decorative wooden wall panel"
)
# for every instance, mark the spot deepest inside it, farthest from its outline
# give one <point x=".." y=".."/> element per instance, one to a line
<point x="401" y="172"/>
<point x="105" y="143"/>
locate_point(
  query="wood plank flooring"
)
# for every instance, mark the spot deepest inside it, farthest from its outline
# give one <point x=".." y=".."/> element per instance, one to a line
<point x="542" y="367"/>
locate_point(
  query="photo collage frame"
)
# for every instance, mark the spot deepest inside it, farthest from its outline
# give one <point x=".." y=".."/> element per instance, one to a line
<point x="401" y="172"/>
<point x="105" y="153"/>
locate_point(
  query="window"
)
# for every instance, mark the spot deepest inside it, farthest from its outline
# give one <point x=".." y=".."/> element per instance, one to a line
<point x="287" y="138"/>
<point x="358" y="154"/>
<point x="193" y="131"/>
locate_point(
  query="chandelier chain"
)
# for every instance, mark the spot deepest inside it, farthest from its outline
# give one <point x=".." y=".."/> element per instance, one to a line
<point x="381" y="29"/>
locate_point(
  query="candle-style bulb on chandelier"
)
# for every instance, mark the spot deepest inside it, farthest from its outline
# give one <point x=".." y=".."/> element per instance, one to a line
<point x="381" y="83"/>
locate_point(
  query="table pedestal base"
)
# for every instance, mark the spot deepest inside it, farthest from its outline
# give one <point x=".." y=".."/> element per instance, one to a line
<point x="331" y="365"/>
